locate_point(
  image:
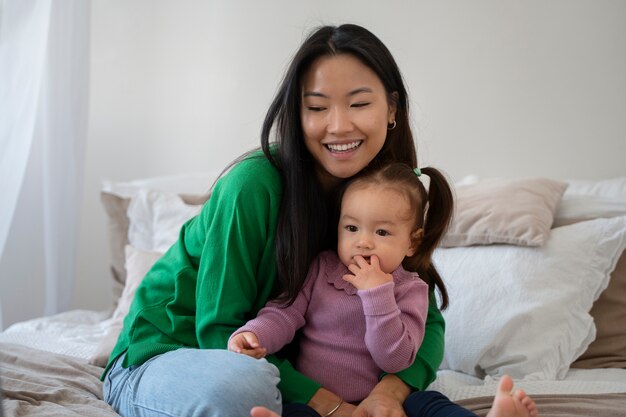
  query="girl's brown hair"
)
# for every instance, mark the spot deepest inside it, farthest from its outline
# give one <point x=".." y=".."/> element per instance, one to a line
<point x="432" y="208"/>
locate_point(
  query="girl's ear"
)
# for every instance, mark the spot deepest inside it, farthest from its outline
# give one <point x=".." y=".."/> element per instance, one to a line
<point x="416" y="240"/>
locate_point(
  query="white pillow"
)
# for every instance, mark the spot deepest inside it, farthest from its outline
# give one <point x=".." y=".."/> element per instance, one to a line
<point x="138" y="263"/>
<point x="193" y="188"/>
<point x="188" y="183"/>
<point x="156" y="218"/>
<point x="524" y="311"/>
<point x="574" y="208"/>
<point x="610" y="188"/>
<point x="589" y="199"/>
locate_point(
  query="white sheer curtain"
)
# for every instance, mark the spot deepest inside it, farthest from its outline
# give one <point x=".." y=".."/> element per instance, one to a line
<point x="44" y="73"/>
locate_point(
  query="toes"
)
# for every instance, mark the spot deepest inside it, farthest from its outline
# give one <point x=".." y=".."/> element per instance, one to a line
<point x="530" y="405"/>
<point x="519" y="394"/>
<point x="505" y="385"/>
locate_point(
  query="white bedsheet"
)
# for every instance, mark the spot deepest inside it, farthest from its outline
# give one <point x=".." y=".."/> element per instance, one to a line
<point x="74" y="333"/>
<point x="77" y="333"/>
<point x="459" y="386"/>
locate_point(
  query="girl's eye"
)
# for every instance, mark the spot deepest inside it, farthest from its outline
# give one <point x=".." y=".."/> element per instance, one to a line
<point x="382" y="232"/>
<point x="351" y="228"/>
<point x="315" y="108"/>
<point x="360" y="104"/>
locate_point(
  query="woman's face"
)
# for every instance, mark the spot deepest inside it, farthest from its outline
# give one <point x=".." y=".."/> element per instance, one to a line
<point x="344" y="113"/>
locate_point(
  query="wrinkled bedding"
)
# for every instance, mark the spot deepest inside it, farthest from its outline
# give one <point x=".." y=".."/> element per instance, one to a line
<point x="35" y="382"/>
<point x="596" y="405"/>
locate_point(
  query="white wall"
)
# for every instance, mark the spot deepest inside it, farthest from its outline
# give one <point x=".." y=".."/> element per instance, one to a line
<point x="499" y="88"/>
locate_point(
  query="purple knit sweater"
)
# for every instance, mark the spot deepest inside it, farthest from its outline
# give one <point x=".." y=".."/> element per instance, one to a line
<point x="348" y="336"/>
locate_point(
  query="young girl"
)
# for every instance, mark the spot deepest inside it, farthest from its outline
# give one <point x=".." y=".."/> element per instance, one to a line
<point x="363" y="308"/>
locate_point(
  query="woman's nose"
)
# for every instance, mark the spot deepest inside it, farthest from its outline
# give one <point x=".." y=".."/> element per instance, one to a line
<point x="339" y="121"/>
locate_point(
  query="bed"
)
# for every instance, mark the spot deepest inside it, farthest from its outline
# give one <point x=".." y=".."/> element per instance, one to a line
<point x="535" y="267"/>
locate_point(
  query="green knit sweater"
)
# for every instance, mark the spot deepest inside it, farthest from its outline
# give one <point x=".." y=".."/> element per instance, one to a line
<point x="220" y="273"/>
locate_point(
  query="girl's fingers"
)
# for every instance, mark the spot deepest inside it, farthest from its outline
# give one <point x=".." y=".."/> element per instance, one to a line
<point x="354" y="268"/>
<point x="361" y="261"/>
<point x="251" y="339"/>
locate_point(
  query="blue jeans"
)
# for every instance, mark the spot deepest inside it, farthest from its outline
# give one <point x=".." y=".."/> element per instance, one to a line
<point x="193" y="382"/>
<point x="433" y="404"/>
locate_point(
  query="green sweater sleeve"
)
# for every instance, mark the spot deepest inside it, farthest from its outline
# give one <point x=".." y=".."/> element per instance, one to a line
<point x="243" y="211"/>
<point x="237" y="269"/>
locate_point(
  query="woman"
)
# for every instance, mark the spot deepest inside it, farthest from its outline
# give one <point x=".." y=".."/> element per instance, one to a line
<point x="341" y="107"/>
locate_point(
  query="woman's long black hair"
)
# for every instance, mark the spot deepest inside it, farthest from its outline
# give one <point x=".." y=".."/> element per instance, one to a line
<point x="307" y="219"/>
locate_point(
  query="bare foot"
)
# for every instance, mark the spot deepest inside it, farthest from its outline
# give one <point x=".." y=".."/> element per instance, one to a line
<point x="508" y="403"/>
<point x="262" y="412"/>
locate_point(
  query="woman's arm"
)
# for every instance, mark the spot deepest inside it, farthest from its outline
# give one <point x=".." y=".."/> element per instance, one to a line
<point x="325" y="401"/>
<point x="385" y="400"/>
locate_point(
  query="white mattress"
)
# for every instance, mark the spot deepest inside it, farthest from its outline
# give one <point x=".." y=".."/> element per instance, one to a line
<point x="77" y="333"/>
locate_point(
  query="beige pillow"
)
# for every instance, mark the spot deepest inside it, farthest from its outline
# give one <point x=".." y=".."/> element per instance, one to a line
<point x="138" y="263"/>
<point x="510" y="211"/>
<point x="115" y="207"/>
<point x="608" y="350"/>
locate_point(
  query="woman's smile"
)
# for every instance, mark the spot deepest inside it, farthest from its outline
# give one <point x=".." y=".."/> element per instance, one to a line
<point x="343" y="147"/>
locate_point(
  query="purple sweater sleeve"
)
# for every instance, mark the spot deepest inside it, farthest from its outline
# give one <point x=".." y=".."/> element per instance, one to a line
<point x="275" y="325"/>
<point x="395" y="319"/>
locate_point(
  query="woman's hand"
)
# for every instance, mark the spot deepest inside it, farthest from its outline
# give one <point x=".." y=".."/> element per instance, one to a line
<point x="385" y="400"/>
<point x="324" y="401"/>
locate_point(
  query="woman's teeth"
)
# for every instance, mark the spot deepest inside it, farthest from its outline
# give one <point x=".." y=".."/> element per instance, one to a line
<point x="343" y="147"/>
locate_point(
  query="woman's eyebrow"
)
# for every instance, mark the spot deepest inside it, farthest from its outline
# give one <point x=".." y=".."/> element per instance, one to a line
<point x="350" y="93"/>
<point x="359" y="91"/>
<point x="314" y="94"/>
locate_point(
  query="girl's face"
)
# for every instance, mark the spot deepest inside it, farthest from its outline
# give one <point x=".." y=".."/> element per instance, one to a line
<point x="344" y="113"/>
<point x="376" y="220"/>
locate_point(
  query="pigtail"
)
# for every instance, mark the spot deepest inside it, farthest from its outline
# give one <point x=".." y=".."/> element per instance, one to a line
<point x="436" y="220"/>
